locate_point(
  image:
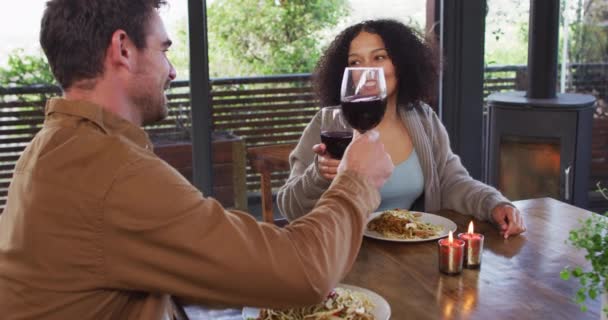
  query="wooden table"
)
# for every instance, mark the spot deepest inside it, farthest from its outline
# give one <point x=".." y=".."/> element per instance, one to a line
<point x="518" y="278"/>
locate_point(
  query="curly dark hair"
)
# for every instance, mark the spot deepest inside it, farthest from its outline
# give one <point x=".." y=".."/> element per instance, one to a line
<point x="415" y="61"/>
<point x="75" y="34"/>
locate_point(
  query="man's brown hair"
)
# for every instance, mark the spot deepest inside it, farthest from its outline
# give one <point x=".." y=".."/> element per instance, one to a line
<point x="75" y="34"/>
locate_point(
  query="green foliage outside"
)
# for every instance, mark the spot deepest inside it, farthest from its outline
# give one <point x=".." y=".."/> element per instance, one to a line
<point x="269" y="36"/>
<point x="507" y="23"/>
<point x="263" y="37"/>
<point x="179" y="53"/>
<point x="506" y="41"/>
<point x="25" y="69"/>
<point x="588" y="39"/>
<point x="245" y="37"/>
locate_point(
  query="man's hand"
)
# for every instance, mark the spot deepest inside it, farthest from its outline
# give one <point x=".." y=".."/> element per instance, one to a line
<point x="366" y="155"/>
<point x="508" y="219"/>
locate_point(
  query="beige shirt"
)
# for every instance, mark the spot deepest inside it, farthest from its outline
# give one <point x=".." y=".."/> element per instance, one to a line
<point x="447" y="183"/>
<point x="97" y="227"/>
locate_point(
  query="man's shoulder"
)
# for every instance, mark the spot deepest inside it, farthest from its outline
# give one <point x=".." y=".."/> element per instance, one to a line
<point x="76" y="158"/>
<point x="78" y="144"/>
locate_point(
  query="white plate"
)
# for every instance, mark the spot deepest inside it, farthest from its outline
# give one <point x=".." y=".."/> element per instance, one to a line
<point x="382" y="311"/>
<point x="446" y="223"/>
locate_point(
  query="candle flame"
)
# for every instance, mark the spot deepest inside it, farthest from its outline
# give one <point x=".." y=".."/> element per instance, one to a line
<point x="450" y="237"/>
<point x="470" y="227"/>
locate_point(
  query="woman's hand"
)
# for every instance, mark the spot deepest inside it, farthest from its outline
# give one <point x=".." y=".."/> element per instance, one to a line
<point x="508" y="219"/>
<point x="327" y="166"/>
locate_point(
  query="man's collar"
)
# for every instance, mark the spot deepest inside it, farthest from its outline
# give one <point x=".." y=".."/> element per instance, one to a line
<point x="107" y="121"/>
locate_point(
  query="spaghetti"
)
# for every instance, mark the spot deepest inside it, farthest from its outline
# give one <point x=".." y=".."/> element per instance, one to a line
<point x="403" y="224"/>
<point x="340" y="304"/>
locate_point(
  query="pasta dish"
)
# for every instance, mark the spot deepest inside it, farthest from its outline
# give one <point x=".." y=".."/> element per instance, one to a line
<point x="403" y="224"/>
<point x="341" y="303"/>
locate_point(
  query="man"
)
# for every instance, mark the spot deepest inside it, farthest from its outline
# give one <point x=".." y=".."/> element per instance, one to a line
<point x="97" y="227"/>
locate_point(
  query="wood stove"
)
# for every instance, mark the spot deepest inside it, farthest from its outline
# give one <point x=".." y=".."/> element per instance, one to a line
<point x="539" y="142"/>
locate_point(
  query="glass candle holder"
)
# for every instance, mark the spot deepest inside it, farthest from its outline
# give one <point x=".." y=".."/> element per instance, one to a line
<point x="451" y="253"/>
<point x="473" y="247"/>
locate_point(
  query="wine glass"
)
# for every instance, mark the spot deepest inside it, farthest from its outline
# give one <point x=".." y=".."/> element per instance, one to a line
<point x="363" y="97"/>
<point x="336" y="134"/>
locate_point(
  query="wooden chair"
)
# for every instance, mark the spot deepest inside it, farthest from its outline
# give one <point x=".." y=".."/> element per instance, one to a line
<point x="265" y="160"/>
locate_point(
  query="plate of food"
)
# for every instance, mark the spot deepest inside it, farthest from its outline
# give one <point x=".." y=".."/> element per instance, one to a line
<point x="402" y="225"/>
<point x="344" y="302"/>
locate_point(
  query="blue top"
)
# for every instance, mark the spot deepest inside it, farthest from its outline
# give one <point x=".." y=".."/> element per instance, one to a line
<point x="404" y="186"/>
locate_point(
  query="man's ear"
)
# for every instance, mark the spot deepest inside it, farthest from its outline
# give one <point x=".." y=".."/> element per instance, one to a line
<point x="121" y="50"/>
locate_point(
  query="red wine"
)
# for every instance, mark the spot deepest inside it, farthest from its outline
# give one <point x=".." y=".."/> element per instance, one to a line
<point x="364" y="113"/>
<point x="336" y="142"/>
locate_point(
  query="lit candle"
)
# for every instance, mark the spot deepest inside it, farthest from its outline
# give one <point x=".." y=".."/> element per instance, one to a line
<point x="450" y="255"/>
<point x="473" y="247"/>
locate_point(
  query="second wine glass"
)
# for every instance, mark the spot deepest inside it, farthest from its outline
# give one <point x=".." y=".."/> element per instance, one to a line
<point x="363" y="97"/>
<point x="336" y="134"/>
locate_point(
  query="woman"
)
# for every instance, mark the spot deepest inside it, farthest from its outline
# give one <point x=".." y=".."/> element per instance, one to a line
<point x="427" y="175"/>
